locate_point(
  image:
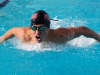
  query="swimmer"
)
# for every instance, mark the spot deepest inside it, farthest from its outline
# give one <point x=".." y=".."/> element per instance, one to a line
<point x="2" y="4"/>
<point x="40" y="31"/>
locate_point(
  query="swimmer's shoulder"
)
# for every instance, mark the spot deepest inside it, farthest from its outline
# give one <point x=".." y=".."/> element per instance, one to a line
<point x="25" y="28"/>
<point x="20" y="29"/>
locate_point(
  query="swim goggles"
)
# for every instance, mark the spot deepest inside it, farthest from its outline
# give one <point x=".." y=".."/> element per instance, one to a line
<point x="41" y="28"/>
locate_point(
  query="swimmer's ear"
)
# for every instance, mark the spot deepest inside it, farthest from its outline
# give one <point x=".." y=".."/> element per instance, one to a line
<point x="54" y="19"/>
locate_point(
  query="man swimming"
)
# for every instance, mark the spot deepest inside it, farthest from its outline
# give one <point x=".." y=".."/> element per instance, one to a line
<point x="40" y="31"/>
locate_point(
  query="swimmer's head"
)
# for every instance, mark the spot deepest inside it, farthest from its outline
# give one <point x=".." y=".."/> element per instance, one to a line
<point x="40" y="17"/>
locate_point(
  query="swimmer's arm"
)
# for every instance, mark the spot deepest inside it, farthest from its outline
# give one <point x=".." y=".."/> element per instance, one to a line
<point x="82" y="30"/>
<point x="8" y="34"/>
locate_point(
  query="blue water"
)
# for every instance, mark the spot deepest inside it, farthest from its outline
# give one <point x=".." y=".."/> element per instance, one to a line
<point x="80" y="56"/>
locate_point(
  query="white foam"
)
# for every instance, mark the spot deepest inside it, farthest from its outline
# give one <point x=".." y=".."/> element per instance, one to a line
<point x="48" y="46"/>
<point x="44" y="46"/>
<point x="82" y="41"/>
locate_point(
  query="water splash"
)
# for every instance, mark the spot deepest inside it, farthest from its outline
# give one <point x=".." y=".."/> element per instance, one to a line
<point x="48" y="46"/>
<point x="67" y="22"/>
<point x="82" y="41"/>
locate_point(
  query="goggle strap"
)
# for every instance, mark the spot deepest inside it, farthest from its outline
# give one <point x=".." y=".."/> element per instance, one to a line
<point x="54" y="19"/>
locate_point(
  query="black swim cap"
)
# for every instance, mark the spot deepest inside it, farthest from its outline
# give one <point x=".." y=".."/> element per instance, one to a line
<point x="40" y="17"/>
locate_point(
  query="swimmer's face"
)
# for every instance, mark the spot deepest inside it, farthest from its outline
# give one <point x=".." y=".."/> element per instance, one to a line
<point x="39" y="32"/>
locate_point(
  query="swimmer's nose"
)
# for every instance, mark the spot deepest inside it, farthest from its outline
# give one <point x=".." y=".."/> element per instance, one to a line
<point x="37" y="32"/>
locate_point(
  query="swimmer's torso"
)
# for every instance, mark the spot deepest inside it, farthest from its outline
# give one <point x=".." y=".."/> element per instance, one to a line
<point x="59" y="35"/>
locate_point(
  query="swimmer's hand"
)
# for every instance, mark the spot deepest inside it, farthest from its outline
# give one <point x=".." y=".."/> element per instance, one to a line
<point x="1" y="40"/>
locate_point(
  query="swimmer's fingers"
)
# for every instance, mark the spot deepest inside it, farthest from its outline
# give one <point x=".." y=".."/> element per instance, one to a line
<point x="1" y="40"/>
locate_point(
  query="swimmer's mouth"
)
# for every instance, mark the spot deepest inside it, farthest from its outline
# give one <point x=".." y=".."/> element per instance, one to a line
<point x="37" y="37"/>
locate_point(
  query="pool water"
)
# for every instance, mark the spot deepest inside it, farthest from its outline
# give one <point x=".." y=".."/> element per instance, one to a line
<point x="80" y="56"/>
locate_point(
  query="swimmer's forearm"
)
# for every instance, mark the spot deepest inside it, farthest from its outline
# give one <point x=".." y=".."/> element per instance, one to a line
<point x="2" y="38"/>
<point x="7" y="35"/>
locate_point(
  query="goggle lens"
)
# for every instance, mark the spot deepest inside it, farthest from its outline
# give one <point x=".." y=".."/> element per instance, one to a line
<point x="41" y="28"/>
<point x="33" y="28"/>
